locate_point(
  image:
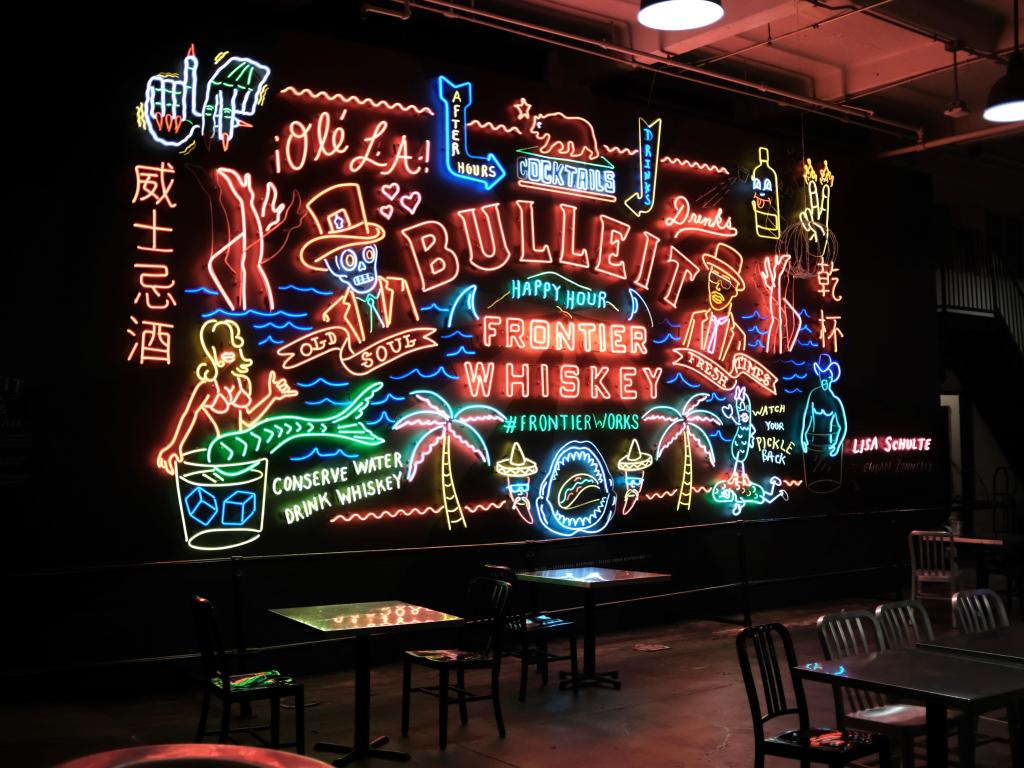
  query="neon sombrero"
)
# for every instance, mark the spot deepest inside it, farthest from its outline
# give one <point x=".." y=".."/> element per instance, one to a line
<point x="516" y="464"/>
<point x="635" y="460"/>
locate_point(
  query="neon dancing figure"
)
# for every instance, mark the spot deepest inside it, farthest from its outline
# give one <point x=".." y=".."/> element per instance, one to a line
<point x="823" y="430"/>
<point x="738" y="490"/>
<point x="223" y="393"/>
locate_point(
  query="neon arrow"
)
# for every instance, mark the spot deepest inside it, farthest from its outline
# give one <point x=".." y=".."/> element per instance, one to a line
<point x="642" y="202"/>
<point x="456" y="98"/>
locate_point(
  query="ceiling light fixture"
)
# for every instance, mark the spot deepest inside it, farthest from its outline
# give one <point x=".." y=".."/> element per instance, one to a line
<point x="675" y="15"/>
<point x="1006" y="99"/>
<point x="958" y="107"/>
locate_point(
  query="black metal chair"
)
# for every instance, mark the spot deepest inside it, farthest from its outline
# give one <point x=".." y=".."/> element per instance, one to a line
<point x="479" y="647"/>
<point x="528" y="632"/>
<point x="904" y="623"/>
<point x="858" y="633"/>
<point x="979" y="610"/>
<point x="241" y="688"/>
<point x="807" y="743"/>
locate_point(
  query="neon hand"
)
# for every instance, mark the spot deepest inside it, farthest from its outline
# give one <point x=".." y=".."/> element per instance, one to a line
<point x="168" y="459"/>
<point x="232" y="92"/>
<point x="169" y="110"/>
<point x="280" y="389"/>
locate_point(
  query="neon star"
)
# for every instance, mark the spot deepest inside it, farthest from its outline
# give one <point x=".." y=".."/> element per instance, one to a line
<point x="522" y="108"/>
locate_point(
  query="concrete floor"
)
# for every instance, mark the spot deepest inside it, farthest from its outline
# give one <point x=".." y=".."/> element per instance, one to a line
<point x="684" y="706"/>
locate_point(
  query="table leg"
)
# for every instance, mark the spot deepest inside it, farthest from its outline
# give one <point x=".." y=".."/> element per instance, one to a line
<point x="938" y="749"/>
<point x="981" y="574"/>
<point x="1015" y="720"/>
<point x="590" y="675"/>
<point x="363" y="746"/>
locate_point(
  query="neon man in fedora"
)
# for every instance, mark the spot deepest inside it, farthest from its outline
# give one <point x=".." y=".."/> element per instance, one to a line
<point x="713" y="331"/>
<point x="346" y="247"/>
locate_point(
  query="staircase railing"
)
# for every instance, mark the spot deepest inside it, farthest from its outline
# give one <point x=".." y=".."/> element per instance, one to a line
<point x="984" y="286"/>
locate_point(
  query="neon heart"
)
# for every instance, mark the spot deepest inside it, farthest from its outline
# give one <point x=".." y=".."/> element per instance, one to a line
<point x="390" y="191"/>
<point x="387" y="211"/>
<point x="410" y="202"/>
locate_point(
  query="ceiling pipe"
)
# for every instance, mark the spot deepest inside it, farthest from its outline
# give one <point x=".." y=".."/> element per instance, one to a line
<point x="961" y="63"/>
<point x="908" y="26"/>
<point x="784" y="35"/>
<point x="679" y="70"/>
<point x="981" y="134"/>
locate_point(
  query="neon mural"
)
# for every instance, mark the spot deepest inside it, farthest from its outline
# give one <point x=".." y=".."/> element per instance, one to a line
<point x="379" y="292"/>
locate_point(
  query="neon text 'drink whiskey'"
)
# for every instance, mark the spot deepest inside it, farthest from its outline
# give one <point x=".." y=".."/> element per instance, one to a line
<point x="766" y="199"/>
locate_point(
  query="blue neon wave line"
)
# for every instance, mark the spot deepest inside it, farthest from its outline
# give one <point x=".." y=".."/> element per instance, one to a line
<point x="670" y="324"/>
<point x="752" y="315"/>
<point x="800" y="363"/>
<point x="316" y="452"/>
<point x="666" y="338"/>
<point x="457" y="335"/>
<point x="792" y="391"/>
<point x="716" y="398"/>
<point x="805" y="313"/>
<point x="304" y="289"/>
<point x="807" y="344"/>
<point x="321" y="380"/>
<point x="380" y="419"/>
<point x="328" y="401"/>
<point x="678" y="376"/>
<point x="718" y="433"/>
<point x="441" y="371"/>
<point x="460" y="352"/>
<point x="254" y="313"/>
<point x="270" y="340"/>
<point x="756" y="344"/>
<point x="388" y="398"/>
<point x="434" y="308"/>
<point x="794" y="376"/>
<point x="805" y="328"/>
<point x="201" y="289"/>
<point x="282" y="326"/>
<point x="758" y="331"/>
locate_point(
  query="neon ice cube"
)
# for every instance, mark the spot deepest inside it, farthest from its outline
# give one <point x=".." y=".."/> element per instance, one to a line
<point x="237" y="508"/>
<point x="201" y="506"/>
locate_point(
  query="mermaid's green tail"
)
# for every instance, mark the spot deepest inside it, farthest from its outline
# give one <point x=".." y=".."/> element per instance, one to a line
<point x="270" y="435"/>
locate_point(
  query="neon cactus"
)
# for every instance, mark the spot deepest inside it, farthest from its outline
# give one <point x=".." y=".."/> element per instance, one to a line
<point x="684" y="422"/>
<point x="441" y="424"/>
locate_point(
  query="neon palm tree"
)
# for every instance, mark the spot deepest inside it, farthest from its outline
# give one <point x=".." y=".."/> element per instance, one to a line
<point x="441" y="425"/>
<point x="684" y="422"/>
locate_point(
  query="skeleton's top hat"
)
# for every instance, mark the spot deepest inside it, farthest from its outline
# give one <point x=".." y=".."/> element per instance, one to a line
<point x="340" y="218"/>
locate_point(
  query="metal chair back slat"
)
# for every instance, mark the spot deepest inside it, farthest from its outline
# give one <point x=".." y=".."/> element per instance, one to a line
<point x="763" y="640"/>
<point x="904" y="623"/>
<point x="979" y="610"/>
<point x="846" y="634"/>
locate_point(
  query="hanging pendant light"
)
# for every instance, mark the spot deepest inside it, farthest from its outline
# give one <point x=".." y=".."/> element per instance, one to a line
<point x="1006" y="99"/>
<point x="674" y="15"/>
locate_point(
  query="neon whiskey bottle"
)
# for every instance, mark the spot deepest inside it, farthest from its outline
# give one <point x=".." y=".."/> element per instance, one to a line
<point x="766" y="201"/>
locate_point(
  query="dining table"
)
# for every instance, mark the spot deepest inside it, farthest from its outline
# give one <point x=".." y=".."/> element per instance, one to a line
<point x="1005" y="644"/>
<point x="941" y="681"/>
<point x="363" y="621"/>
<point x="591" y="580"/>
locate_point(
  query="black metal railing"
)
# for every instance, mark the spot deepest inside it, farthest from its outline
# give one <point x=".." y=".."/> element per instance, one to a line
<point x="986" y="286"/>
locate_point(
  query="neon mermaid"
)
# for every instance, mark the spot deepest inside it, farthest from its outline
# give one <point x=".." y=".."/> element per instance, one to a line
<point x="823" y="430"/>
<point x="223" y="392"/>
